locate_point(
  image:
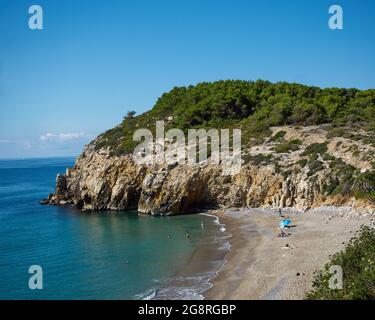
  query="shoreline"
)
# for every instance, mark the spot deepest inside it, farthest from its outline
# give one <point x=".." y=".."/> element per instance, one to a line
<point x="204" y="264"/>
<point x="260" y="265"/>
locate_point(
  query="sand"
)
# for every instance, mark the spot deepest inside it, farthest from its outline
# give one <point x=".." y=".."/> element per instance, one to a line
<point x="261" y="265"/>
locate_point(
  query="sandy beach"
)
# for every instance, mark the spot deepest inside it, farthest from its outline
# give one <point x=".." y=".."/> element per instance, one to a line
<point x="261" y="265"/>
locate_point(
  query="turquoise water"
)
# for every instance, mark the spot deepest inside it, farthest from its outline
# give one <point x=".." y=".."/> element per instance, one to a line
<point x="97" y="256"/>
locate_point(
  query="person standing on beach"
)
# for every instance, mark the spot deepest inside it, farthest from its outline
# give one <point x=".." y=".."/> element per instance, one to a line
<point x="280" y="213"/>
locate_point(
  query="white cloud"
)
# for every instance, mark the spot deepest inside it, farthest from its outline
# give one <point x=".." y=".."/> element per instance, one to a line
<point x="4" y="141"/>
<point x="47" y="136"/>
<point x="62" y="137"/>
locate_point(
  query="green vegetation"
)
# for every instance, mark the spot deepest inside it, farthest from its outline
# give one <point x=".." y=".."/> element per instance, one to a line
<point x="344" y="183"/>
<point x="312" y="152"/>
<point x="302" y="162"/>
<point x="365" y="186"/>
<point x="130" y="115"/>
<point x="258" y="159"/>
<point x="358" y="264"/>
<point x="314" y="167"/>
<point x="350" y="181"/>
<point x="346" y="132"/>
<point x="315" y="148"/>
<point x="252" y="106"/>
<point x="278" y="136"/>
<point x="336" y="132"/>
<point x="292" y="145"/>
<point x="286" y="173"/>
<point x="328" y="157"/>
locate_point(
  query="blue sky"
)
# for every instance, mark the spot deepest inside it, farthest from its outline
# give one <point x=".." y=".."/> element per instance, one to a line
<point x="95" y="60"/>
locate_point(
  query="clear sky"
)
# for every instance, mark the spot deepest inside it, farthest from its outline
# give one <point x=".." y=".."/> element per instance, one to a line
<point x="95" y="60"/>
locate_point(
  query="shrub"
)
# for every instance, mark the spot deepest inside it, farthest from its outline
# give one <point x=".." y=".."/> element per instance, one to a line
<point x="328" y="157"/>
<point x="258" y="159"/>
<point x="365" y="186"/>
<point x="292" y="145"/>
<point x="314" y="167"/>
<point x="278" y="136"/>
<point x="302" y="162"/>
<point x="357" y="261"/>
<point x="336" y="132"/>
<point x="318" y="148"/>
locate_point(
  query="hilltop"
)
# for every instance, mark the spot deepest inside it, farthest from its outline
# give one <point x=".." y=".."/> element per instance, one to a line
<point x="254" y="107"/>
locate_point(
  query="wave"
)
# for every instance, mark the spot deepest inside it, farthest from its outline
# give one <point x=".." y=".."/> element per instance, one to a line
<point x="190" y="285"/>
<point x="146" y="295"/>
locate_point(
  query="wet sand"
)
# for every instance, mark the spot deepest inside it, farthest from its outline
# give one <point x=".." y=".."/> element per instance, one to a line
<point x="261" y="265"/>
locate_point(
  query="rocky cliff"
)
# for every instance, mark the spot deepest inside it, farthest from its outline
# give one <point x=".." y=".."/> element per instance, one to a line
<point x="296" y="167"/>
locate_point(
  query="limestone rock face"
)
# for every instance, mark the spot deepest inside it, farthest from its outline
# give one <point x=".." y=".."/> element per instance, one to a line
<point x="99" y="181"/>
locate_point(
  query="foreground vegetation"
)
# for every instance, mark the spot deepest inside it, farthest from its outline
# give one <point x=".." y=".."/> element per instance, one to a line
<point x="358" y="265"/>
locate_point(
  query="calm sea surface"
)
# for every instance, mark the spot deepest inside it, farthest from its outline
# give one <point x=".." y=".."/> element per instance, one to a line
<point x="117" y="255"/>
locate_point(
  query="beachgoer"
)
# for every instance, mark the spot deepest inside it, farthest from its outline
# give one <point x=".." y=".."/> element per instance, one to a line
<point x="372" y="224"/>
<point x="282" y="234"/>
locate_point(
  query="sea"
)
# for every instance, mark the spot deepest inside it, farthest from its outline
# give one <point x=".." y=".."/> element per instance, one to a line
<point x="106" y="255"/>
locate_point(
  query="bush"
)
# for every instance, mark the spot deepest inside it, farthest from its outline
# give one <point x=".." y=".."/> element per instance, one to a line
<point x="302" y="162"/>
<point x="336" y="132"/>
<point x="292" y="145"/>
<point x="314" y="167"/>
<point x="258" y="159"/>
<point x="328" y="157"/>
<point x="365" y="186"/>
<point x="358" y="264"/>
<point x="317" y="148"/>
<point x="278" y="136"/>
